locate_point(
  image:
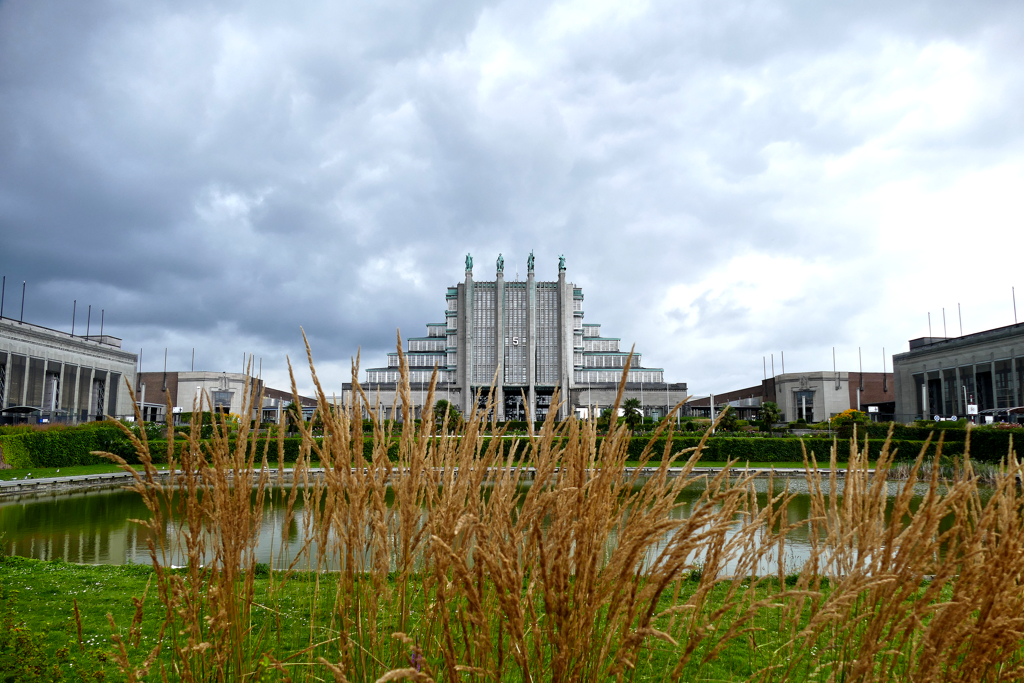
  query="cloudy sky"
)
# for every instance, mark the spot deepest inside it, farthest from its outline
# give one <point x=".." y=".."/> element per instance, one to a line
<point x="727" y="180"/>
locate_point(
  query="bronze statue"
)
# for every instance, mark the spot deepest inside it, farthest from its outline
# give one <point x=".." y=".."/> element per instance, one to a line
<point x="501" y="264"/>
<point x="469" y="263"/>
<point x="561" y="263"/>
<point x="529" y="263"/>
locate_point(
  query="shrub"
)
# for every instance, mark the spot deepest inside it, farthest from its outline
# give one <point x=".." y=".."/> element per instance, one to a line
<point x="443" y="575"/>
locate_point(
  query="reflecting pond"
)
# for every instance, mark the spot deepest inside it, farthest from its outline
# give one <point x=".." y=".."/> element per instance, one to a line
<point x="95" y="527"/>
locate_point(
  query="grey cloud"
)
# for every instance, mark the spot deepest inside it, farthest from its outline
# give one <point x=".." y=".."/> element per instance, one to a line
<point x="228" y="172"/>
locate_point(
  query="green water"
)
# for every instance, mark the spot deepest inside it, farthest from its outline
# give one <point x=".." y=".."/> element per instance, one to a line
<point x="95" y="527"/>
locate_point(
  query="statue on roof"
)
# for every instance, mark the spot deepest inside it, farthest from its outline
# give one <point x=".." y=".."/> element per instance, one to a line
<point x="501" y="263"/>
<point x="529" y="263"/>
<point x="469" y="263"/>
<point x="561" y="263"/>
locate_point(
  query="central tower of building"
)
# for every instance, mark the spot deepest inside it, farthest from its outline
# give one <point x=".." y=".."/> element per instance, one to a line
<point x="528" y="339"/>
<point x="521" y="336"/>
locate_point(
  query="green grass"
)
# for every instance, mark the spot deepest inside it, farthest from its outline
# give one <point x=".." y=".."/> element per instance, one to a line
<point x="41" y="596"/>
<point x="69" y="471"/>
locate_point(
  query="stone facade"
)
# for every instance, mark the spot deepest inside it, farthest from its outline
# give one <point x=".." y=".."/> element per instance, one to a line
<point x="944" y="377"/>
<point x="813" y="396"/>
<point x="226" y="390"/>
<point x="51" y="376"/>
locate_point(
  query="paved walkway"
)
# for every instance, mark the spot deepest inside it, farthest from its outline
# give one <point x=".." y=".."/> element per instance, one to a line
<point x="90" y="481"/>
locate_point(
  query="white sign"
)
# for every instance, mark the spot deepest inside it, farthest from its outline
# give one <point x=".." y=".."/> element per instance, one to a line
<point x="872" y="409"/>
<point x="518" y="340"/>
<point x="972" y="409"/>
<point x="953" y="418"/>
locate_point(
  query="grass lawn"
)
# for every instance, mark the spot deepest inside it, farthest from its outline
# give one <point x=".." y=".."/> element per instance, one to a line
<point x="69" y="471"/>
<point x="37" y="603"/>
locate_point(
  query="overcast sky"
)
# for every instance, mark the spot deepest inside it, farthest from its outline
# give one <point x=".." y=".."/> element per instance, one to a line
<point x="727" y="180"/>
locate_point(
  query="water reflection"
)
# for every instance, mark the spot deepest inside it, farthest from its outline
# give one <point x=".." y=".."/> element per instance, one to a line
<point x="94" y="527"/>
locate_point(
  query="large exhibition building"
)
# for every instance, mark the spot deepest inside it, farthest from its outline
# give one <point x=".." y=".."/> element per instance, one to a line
<point x="527" y="339"/>
<point x="979" y="375"/>
<point x="52" y="376"/>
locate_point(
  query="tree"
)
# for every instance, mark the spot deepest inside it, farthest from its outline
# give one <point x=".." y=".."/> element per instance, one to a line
<point x="770" y="414"/>
<point x="728" y="420"/>
<point x="292" y="416"/>
<point x="454" y="417"/>
<point x="631" y="412"/>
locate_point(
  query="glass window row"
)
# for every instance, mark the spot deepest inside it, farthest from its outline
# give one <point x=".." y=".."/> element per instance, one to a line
<point x="59" y="390"/>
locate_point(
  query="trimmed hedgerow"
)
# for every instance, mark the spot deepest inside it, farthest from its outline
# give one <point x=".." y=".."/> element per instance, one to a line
<point x="63" y="447"/>
<point x="75" y="446"/>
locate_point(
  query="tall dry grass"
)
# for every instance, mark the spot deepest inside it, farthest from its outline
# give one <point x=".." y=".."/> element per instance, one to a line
<point x="457" y="563"/>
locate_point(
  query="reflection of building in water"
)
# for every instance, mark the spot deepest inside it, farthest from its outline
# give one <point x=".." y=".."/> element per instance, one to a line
<point x="52" y="376"/>
<point x="89" y="528"/>
<point x="529" y="339"/>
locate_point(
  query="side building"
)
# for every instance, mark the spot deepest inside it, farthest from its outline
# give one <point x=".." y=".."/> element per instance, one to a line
<point x="52" y="376"/>
<point x="225" y="390"/>
<point x="528" y="339"/>
<point x="979" y="374"/>
<point x="811" y="396"/>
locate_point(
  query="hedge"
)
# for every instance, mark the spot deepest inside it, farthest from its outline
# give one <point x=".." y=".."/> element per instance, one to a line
<point x="66" y="447"/>
<point x="723" y="448"/>
<point x="63" y="447"/>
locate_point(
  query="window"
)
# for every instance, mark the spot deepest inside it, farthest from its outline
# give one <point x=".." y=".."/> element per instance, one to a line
<point x="84" y="389"/>
<point x="115" y="380"/>
<point x="547" y="336"/>
<point x="99" y="394"/>
<point x="966" y="383"/>
<point x="515" y="346"/>
<point x="34" y="397"/>
<point x="484" y="348"/>
<point x="1004" y="384"/>
<point x="67" y="399"/>
<point x="984" y="384"/>
<point x="51" y="386"/>
<point x="222" y="401"/>
<point x="1020" y="381"/>
<point x="803" y="404"/>
<point x="19" y="365"/>
<point x="950" y="393"/>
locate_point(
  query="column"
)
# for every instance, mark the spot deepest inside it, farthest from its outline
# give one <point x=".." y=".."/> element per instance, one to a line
<point x="499" y="343"/>
<point x="60" y="387"/>
<point x="102" y="410"/>
<point x="466" y="313"/>
<point x="531" y="342"/>
<point x="73" y="399"/>
<point x="7" y="381"/>
<point x="564" y="342"/>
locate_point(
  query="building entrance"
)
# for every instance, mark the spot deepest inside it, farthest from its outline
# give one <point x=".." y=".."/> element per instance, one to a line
<point x="515" y="408"/>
